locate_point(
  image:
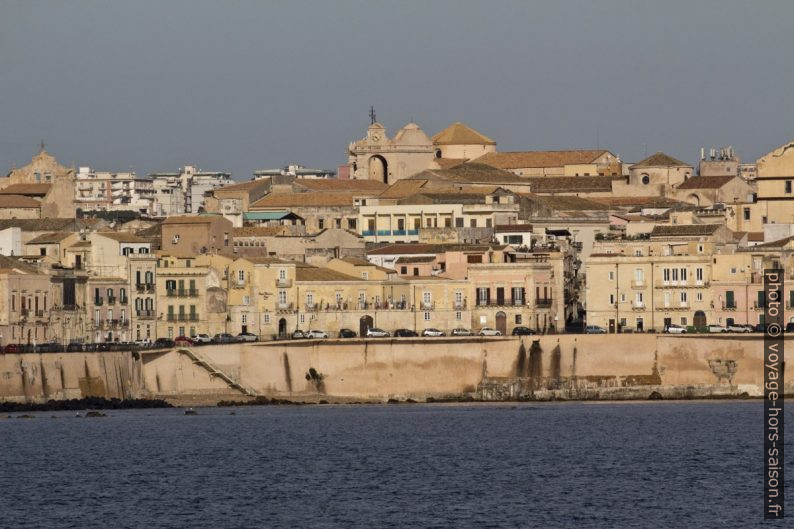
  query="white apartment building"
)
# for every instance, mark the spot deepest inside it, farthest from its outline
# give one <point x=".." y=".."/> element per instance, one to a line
<point x="184" y="192"/>
<point x="106" y="191"/>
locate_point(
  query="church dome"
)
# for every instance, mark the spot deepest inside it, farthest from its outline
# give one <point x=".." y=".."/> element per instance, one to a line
<point x="411" y="134"/>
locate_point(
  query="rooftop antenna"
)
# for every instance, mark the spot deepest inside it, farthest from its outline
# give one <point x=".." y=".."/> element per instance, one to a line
<point x="372" y="115"/>
<point x="41" y="146"/>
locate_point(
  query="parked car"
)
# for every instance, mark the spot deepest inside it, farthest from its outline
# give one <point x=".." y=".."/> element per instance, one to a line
<point x="594" y="329"/>
<point x="162" y="343"/>
<point x="737" y="327"/>
<point x="247" y="337"/>
<point x="717" y="328"/>
<point x="75" y="347"/>
<point x="298" y="334"/>
<point x="522" y="331"/>
<point x="374" y="332"/>
<point x="575" y="327"/>
<point x="347" y="333"/>
<point x="460" y="331"/>
<point x="201" y="339"/>
<point x="489" y="331"/>
<point x="675" y="329"/>
<point x="105" y="346"/>
<point x="223" y="337"/>
<point x="12" y="348"/>
<point x="183" y="340"/>
<point x="760" y="327"/>
<point x="790" y="326"/>
<point x="316" y="334"/>
<point x="433" y="333"/>
<point x="405" y="333"/>
<point x="146" y="342"/>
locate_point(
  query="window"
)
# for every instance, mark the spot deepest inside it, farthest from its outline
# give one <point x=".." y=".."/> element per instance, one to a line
<point x="241" y="276"/>
<point x="699" y="296"/>
<point x="683" y="298"/>
<point x="518" y="319"/>
<point x="646" y="179"/>
<point x="338" y="223"/>
<point x="266" y="319"/>
<point x="310" y="298"/>
<point x="303" y="318"/>
<point x="427" y="298"/>
<point x="458" y="315"/>
<point x="473" y="223"/>
<point x="700" y="248"/>
<point x="321" y="223"/>
<point x="427" y="316"/>
<point x="639" y="275"/>
<point x="683" y="321"/>
<point x="365" y="275"/>
<point x="612" y="299"/>
<point x="611" y="276"/>
<point x="175" y="239"/>
<point x="338" y="296"/>
<point x="351" y="224"/>
<point x="97" y="317"/>
<point x="637" y="252"/>
<point x="459" y="222"/>
<point x="623" y="298"/>
<point x="244" y="319"/>
<point x="404" y="270"/>
<point x="282" y="297"/>
<point x="639" y="299"/>
<point x="787" y="187"/>
<point x="699" y="274"/>
<point x="746" y="212"/>
<point x="246" y="300"/>
<point x="282" y="274"/>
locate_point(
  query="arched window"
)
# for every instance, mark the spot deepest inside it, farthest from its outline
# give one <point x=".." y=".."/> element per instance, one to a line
<point x="149" y="278"/>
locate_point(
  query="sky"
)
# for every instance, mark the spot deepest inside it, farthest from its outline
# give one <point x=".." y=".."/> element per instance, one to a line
<point x="153" y="85"/>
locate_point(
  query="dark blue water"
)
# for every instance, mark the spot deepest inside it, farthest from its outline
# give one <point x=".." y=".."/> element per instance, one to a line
<point x="691" y="464"/>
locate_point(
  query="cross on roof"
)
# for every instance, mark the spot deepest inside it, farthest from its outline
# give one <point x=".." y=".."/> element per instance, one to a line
<point x="372" y="115"/>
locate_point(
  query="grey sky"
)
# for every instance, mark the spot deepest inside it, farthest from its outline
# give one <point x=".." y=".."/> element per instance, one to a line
<point x="241" y="85"/>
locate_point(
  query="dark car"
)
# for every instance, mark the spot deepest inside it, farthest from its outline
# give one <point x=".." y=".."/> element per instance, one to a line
<point x="12" y="348"/>
<point x="223" y="337"/>
<point x="105" y="346"/>
<point x="183" y="340"/>
<point x="161" y="343"/>
<point x="405" y="333"/>
<point x="790" y="326"/>
<point x="75" y="348"/>
<point x="346" y="333"/>
<point x="522" y="331"/>
<point x="760" y="328"/>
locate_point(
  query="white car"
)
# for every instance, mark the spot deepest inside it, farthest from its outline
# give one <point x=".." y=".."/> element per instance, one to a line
<point x="675" y="329"/>
<point x="738" y="327"/>
<point x="202" y="338"/>
<point x="432" y="332"/>
<point x="489" y="331"/>
<point x="717" y="328"/>
<point x="460" y="331"/>
<point x="146" y="342"/>
<point x="316" y="334"/>
<point x="374" y="332"/>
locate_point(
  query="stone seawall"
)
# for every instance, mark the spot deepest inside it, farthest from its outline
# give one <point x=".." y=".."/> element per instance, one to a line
<point x="38" y="377"/>
<point x="554" y="366"/>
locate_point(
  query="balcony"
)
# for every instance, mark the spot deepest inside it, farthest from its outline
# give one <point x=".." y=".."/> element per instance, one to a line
<point x="192" y="317"/>
<point x="285" y="306"/>
<point x="123" y="300"/>
<point x="638" y="284"/>
<point x="310" y="307"/>
<point x="39" y="313"/>
<point x="144" y="314"/>
<point x="283" y="283"/>
<point x="181" y="292"/>
<point x="729" y="306"/>
<point x="144" y="287"/>
<point x="459" y="305"/>
<point x="638" y="306"/>
<point x="428" y="306"/>
<point x="111" y="300"/>
<point x="543" y="303"/>
<point x="98" y="302"/>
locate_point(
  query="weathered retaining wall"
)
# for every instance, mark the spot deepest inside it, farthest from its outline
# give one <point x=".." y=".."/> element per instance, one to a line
<point x="584" y="366"/>
<point x="33" y="377"/>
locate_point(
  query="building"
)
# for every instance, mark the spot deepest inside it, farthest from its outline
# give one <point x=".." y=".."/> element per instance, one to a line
<point x="597" y="162"/>
<point x="295" y="170"/>
<point x="705" y="191"/>
<point x="459" y="143"/>
<point x="25" y="301"/>
<point x="378" y="157"/>
<point x="194" y="235"/>
<point x="659" y="171"/>
<point x="775" y="180"/>
<point x="45" y="180"/>
<point x="183" y="192"/>
<point x="108" y="191"/>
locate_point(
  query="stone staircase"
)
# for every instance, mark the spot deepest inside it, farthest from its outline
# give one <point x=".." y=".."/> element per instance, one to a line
<point x="214" y="371"/>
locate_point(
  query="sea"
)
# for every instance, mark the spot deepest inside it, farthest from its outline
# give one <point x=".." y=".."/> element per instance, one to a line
<point x="546" y="465"/>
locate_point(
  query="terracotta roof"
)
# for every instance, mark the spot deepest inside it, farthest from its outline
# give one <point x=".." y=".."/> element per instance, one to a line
<point x="706" y="182"/>
<point x="19" y="201"/>
<point x="460" y="134"/>
<point x="50" y="238"/>
<point x="313" y="273"/>
<point x="755" y="236"/>
<point x="776" y="244"/>
<point x="415" y="259"/>
<point x="403" y="188"/>
<point x="513" y="228"/>
<point x="53" y="224"/>
<point x="151" y="231"/>
<point x="522" y="159"/>
<point x="287" y="200"/>
<point x="660" y="159"/>
<point x="259" y="231"/>
<point x="243" y="186"/>
<point x="425" y="248"/>
<point x="13" y="264"/>
<point x="473" y="173"/>
<point x="191" y="219"/>
<point x="567" y="184"/>
<point x="651" y="202"/>
<point x="265" y="260"/>
<point x="564" y="202"/>
<point x="122" y="236"/>
<point x="684" y="230"/>
<point x="449" y="163"/>
<point x="341" y="185"/>
<point x="26" y="189"/>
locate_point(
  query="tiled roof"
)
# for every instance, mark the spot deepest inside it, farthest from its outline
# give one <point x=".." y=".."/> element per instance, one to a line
<point x="341" y="185"/>
<point x="259" y="231"/>
<point x="415" y="259"/>
<point x="53" y="224"/>
<point x="26" y="189"/>
<point x="567" y="184"/>
<point x="266" y="260"/>
<point x="288" y="200"/>
<point x="151" y="231"/>
<point x="650" y="202"/>
<point x="356" y="261"/>
<point x="569" y="203"/>
<point x="81" y="244"/>
<point x="19" y="201"/>
<point x="425" y="248"/>
<point x="684" y="230"/>
<point x="660" y="159"/>
<point x="525" y="159"/>
<point x="755" y="236"/>
<point x="313" y="273"/>
<point x="243" y="186"/>
<point x="706" y="182"/>
<point x="780" y="243"/>
<point x="513" y="228"/>
<point x="460" y="134"/>
<point x="12" y="264"/>
<point x="191" y="219"/>
<point x="473" y="173"/>
<point x="50" y="238"/>
<point x="122" y="236"/>
<point x="403" y="188"/>
<point x="449" y="163"/>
